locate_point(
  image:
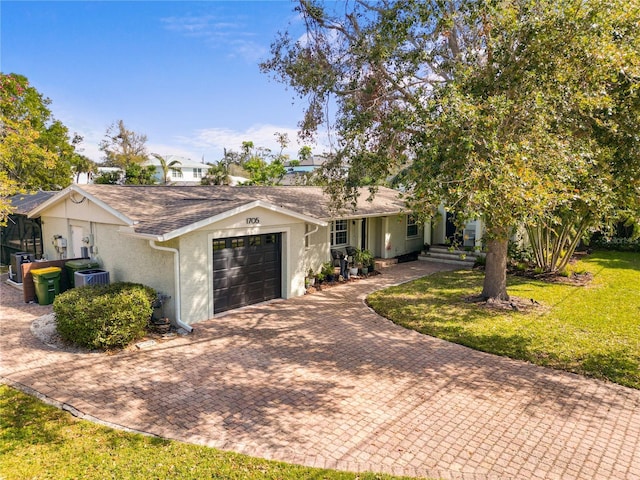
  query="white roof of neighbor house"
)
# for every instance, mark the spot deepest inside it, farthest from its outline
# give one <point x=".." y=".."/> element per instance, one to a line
<point x="184" y="162"/>
<point x="166" y="212"/>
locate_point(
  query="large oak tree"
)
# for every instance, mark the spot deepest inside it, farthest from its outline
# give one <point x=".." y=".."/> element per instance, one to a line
<point x="522" y="112"/>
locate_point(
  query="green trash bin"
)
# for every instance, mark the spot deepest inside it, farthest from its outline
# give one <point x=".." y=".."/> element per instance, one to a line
<point x="47" y="284"/>
<point x="74" y="266"/>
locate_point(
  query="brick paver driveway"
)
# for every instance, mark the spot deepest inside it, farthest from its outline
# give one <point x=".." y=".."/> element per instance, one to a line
<point x="323" y="381"/>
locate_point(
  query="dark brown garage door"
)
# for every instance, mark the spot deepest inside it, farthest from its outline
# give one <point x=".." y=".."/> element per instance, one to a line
<point x="246" y="270"/>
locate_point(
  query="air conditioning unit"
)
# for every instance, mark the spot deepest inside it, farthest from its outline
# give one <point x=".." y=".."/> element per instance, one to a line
<point x="90" y="277"/>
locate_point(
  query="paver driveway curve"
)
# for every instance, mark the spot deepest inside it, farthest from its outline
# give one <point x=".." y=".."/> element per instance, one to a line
<point x="323" y="381"/>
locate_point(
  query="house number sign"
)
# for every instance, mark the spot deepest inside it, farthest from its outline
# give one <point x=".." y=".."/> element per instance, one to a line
<point x="253" y="220"/>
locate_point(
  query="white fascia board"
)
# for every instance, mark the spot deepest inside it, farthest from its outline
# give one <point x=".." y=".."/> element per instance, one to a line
<point x="229" y="213"/>
<point x="67" y="192"/>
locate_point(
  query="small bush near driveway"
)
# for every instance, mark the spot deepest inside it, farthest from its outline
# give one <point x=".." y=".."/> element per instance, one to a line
<point x="104" y="316"/>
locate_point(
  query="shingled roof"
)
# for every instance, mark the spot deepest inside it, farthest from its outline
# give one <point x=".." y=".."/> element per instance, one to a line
<point x="25" y="202"/>
<point x="160" y="210"/>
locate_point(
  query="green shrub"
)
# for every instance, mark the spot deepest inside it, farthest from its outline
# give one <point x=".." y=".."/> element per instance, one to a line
<point x="104" y="316"/>
<point x="616" y="243"/>
<point x="518" y="252"/>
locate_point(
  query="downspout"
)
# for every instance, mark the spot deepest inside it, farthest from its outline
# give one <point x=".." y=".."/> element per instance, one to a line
<point x="312" y="231"/>
<point x="176" y="274"/>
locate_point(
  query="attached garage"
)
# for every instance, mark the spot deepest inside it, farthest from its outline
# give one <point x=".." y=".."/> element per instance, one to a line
<point x="246" y="270"/>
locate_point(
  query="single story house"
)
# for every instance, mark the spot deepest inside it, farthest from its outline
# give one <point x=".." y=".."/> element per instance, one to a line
<point x="216" y="248"/>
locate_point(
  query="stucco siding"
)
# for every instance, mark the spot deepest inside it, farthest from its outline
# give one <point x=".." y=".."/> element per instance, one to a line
<point x="318" y="251"/>
<point x="129" y="259"/>
<point x="125" y="258"/>
<point x="53" y="226"/>
<point x="83" y="209"/>
<point x="395" y="236"/>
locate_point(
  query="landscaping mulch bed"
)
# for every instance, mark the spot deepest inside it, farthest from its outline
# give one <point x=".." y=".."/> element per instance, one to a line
<point x="517" y="304"/>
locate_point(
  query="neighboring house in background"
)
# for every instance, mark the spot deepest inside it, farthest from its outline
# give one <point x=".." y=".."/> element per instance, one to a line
<point x="216" y="248"/>
<point x="298" y="171"/>
<point x="187" y="172"/>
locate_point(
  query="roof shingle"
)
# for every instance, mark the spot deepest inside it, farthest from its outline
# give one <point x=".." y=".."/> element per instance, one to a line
<point x="159" y="210"/>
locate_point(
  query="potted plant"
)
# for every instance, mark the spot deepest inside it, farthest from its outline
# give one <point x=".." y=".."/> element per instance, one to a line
<point x="363" y="259"/>
<point x="310" y="279"/>
<point x="328" y="271"/>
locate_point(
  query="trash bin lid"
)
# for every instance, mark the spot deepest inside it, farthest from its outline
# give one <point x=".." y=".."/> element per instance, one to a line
<point x="86" y="263"/>
<point x="44" y="271"/>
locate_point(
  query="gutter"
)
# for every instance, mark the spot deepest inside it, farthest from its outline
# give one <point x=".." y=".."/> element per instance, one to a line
<point x="176" y="272"/>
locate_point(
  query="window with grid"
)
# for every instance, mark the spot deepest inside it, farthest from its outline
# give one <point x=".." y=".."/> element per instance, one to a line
<point x="197" y="173"/>
<point x="219" y="244"/>
<point x="338" y="232"/>
<point x="176" y="173"/>
<point x="412" y="226"/>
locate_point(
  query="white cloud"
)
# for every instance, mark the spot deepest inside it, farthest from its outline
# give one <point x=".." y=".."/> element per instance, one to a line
<point x="230" y="36"/>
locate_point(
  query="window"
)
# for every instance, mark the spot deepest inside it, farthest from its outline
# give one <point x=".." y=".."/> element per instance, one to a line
<point x="271" y="238"/>
<point x="412" y="226"/>
<point x="339" y="232"/>
<point x="219" y="245"/>
<point x="176" y="173"/>
<point x="255" y="240"/>
<point x="237" y="243"/>
<point x="197" y="173"/>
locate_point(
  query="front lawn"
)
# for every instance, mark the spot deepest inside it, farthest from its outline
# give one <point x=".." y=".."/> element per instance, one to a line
<point x="593" y="330"/>
<point x="38" y="441"/>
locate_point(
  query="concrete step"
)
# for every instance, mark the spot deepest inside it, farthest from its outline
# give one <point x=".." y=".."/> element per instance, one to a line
<point x="453" y="255"/>
<point x="457" y="252"/>
<point x="451" y="260"/>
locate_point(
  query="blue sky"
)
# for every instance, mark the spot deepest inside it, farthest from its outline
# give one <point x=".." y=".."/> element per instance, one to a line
<point x="183" y="73"/>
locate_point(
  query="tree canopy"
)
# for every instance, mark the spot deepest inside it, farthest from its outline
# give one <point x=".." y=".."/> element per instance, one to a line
<point x="123" y="147"/>
<point x="517" y="111"/>
<point x="36" y="150"/>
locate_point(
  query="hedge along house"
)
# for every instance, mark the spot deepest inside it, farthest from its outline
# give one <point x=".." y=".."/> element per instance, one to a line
<point x="216" y="248"/>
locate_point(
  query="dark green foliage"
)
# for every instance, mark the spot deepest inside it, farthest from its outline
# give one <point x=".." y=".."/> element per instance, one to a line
<point x="104" y="316"/>
<point x="616" y="243"/>
<point x="517" y="251"/>
<point x="136" y="174"/>
<point x="108" y="178"/>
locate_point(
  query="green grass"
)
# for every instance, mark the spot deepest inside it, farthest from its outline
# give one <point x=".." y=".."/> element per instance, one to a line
<point x="38" y="441"/>
<point x="592" y="330"/>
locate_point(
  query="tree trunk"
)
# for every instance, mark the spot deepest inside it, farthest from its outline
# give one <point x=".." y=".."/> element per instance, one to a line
<point x="495" y="274"/>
